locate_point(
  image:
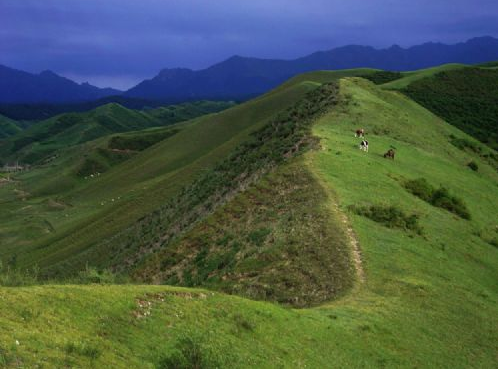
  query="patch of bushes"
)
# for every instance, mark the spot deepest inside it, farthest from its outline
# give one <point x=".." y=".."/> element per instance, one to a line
<point x="91" y="166"/>
<point x="258" y="236"/>
<point x="11" y="276"/>
<point x="93" y="275"/>
<point x="90" y="351"/>
<point x="190" y="353"/>
<point x="473" y="165"/>
<point x="243" y="323"/>
<point x="389" y="216"/>
<point x="494" y="242"/>
<point x="463" y="144"/>
<point x="139" y="142"/>
<point x="383" y="76"/>
<point x="440" y="197"/>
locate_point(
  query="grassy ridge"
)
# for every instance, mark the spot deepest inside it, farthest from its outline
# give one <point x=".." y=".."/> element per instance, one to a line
<point x="138" y="186"/>
<point x="466" y="98"/>
<point x="236" y="262"/>
<point x="260" y="253"/>
<point x="410" y="77"/>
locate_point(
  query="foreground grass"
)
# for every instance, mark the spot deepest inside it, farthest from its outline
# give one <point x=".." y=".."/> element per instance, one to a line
<point x="110" y="326"/>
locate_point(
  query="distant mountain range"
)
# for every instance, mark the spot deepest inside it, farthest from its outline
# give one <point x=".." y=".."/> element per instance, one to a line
<point x="240" y="77"/>
<point x="22" y="87"/>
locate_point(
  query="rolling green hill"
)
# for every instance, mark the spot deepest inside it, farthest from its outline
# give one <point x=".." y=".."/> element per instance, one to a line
<point x="271" y="200"/>
<point x="463" y="95"/>
<point x="410" y="77"/>
<point x="466" y="98"/>
<point x="8" y="127"/>
<point x="41" y="140"/>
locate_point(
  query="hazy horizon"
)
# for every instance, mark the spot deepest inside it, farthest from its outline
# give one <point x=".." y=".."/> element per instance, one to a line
<point x="120" y="43"/>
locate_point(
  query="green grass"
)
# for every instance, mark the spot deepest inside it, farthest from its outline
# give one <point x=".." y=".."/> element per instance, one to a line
<point x="421" y="292"/>
<point x="428" y="301"/>
<point x="41" y="140"/>
<point x="466" y="98"/>
<point x="8" y="127"/>
<point x="384" y="76"/>
<point x="413" y="76"/>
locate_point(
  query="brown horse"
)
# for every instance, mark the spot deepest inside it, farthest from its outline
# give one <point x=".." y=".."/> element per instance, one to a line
<point x="389" y="154"/>
<point x="360" y="133"/>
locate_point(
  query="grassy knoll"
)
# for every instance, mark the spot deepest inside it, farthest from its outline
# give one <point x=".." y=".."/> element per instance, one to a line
<point x="466" y="98"/>
<point x="410" y="77"/>
<point x="8" y="127"/>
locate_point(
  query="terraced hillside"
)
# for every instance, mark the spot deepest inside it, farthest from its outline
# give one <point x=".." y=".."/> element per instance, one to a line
<point x="420" y="289"/>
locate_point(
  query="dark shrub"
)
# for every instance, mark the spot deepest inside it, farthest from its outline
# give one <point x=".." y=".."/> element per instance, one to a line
<point x="420" y="188"/>
<point x="494" y="242"/>
<point x="189" y="354"/>
<point x="463" y="143"/>
<point x="258" y="236"/>
<point x="473" y="165"/>
<point x="440" y="197"/>
<point x="383" y="76"/>
<point x="390" y="216"/>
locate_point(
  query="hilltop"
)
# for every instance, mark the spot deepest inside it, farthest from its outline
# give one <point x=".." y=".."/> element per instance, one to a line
<point x="270" y="200"/>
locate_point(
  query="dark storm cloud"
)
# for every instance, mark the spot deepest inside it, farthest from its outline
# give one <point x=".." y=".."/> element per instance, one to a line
<point x="119" y="42"/>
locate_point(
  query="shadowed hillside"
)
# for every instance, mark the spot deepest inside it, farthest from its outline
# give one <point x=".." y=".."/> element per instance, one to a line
<point x="42" y="139"/>
<point x="8" y="127"/>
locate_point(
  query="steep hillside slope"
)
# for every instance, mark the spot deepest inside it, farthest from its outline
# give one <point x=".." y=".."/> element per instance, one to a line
<point x="8" y="127"/>
<point x="466" y="98"/>
<point x="427" y="296"/>
<point x="463" y="95"/>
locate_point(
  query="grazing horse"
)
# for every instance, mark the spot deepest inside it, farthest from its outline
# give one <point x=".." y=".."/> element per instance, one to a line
<point x="389" y="154"/>
<point x="360" y="133"/>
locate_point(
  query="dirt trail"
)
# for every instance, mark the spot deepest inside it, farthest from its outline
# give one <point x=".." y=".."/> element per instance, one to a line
<point x="355" y="245"/>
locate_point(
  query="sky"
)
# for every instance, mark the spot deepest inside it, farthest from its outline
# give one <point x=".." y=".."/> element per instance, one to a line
<point x="118" y="43"/>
